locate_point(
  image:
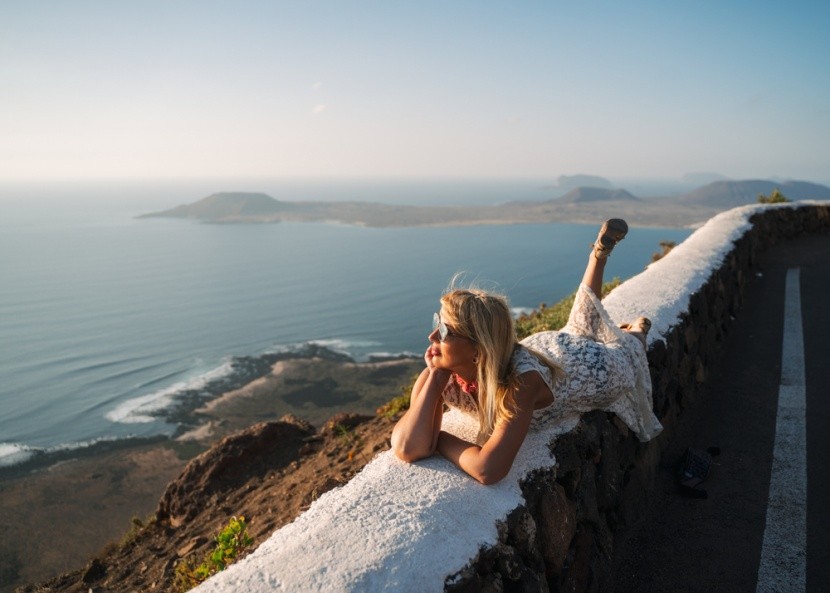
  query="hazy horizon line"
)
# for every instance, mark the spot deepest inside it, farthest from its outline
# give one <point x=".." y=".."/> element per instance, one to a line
<point x="405" y="177"/>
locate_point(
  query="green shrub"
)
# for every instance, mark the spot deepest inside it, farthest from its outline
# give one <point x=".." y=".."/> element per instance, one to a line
<point x="137" y="525"/>
<point x="775" y="197"/>
<point x="230" y="542"/>
<point x="666" y="247"/>
<point x="397" y="406"/>
<point x="555" y="316"/>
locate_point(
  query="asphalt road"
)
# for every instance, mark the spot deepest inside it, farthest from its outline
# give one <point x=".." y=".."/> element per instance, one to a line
<point x="715" y="544"/>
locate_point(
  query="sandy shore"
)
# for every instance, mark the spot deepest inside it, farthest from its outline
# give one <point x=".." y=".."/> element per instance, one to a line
<point x="55" y="518"/>
<point x="256" y="387"/>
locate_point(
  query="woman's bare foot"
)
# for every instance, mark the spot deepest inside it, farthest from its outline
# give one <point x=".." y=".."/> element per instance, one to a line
<point x="639" y="329"/>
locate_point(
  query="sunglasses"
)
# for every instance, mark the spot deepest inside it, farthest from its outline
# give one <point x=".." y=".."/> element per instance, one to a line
<point x="443" y="331"/>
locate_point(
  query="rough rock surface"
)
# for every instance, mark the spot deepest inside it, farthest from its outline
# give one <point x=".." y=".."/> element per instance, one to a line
<point x="230" y="464"/>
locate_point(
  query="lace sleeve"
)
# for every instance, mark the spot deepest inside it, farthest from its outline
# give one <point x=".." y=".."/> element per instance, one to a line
<point x="524" y="362"/>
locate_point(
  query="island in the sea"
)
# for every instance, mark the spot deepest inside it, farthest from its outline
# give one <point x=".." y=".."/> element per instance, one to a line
<point x="580" y="204"/>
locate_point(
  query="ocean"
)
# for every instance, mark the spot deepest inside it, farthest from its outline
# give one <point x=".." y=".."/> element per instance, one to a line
<point x="105" y="318"/>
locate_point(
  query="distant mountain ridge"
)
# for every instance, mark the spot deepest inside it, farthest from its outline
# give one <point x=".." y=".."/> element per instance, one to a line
<point x="227" y="206"/>
<point x="729" y="194"/>
<point x="595" y="194"/>
<point x="582" y="204"/>
<point x="703" y="177"/>
<point x="569" y="182"/>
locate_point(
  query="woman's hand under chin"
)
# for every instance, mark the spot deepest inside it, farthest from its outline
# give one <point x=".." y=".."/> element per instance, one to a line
<point x="438" y="373"/>
<point x="428" y="358"/>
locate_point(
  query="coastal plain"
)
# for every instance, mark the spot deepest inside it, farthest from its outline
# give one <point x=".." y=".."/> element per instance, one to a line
<point x="230" y="207"/>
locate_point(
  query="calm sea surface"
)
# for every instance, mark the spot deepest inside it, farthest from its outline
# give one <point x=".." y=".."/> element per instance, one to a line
<point x="104" y="318"/>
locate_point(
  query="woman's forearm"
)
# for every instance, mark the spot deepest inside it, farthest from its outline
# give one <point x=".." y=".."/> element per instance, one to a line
<point x="468" y="457"/>
<point x="416" y="433"/>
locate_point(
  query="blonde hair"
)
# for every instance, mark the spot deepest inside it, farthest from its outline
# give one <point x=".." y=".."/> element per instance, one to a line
<point x="485" y="318"/>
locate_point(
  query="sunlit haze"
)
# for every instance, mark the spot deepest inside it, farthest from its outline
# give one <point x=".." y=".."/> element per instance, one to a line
<point x="160" y="89"/>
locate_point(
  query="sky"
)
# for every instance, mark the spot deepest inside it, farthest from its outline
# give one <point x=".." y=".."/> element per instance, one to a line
<point x="421" y="89"/>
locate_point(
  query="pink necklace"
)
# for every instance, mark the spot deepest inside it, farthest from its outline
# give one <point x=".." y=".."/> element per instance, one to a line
<point x="471" y="387"/>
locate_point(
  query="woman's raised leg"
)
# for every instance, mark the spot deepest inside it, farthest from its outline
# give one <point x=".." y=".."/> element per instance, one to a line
<point x="593" y="274"/>
<point x="612" y="231"/>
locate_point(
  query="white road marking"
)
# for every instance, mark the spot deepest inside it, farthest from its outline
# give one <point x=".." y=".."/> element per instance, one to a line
<point x="784" y="552"/>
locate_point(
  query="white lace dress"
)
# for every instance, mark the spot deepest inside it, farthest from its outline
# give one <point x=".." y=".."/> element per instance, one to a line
<point x="605" y="369"/>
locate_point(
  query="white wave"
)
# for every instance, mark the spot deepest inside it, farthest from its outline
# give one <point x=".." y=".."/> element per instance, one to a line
<point x="389" y="355"/>
<point x="81" y="444"/>
<point x="140" y="410"/>
<point x="16" y="453"/>
<point x="359" y="350"/>
<point x="13" y="454"/>
<point x="338" y="345"/>
<point x="343" y="345"/>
